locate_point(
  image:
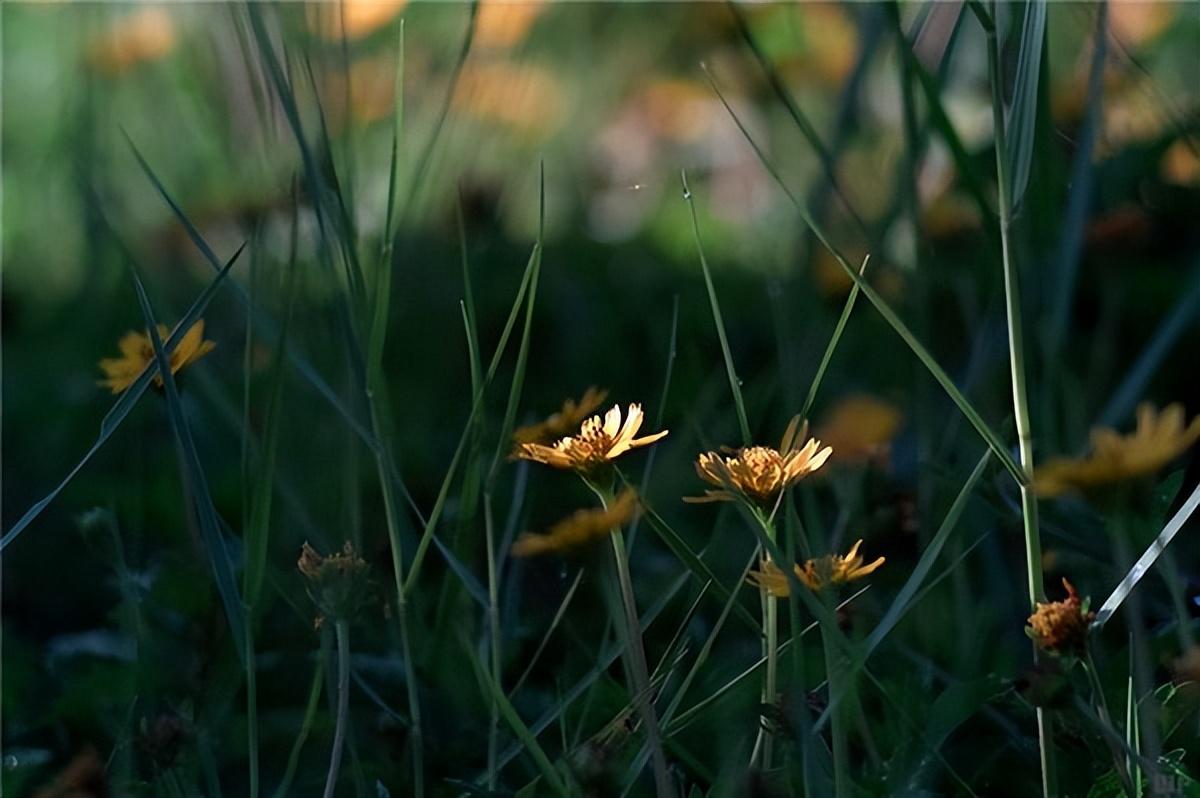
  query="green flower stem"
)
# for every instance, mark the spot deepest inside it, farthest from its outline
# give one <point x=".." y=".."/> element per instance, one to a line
<point x="837" y="725"/>
<point x="638" y="672"/>
<point x="1029" y="513"/>
<point x="391" y="512"/>
<point x="770" y="687"/>
<point x="342" y="629"/>
<point x="493" y="638"/>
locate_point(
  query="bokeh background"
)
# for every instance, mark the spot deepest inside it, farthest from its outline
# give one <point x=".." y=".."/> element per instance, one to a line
<point x="111" y="626"/>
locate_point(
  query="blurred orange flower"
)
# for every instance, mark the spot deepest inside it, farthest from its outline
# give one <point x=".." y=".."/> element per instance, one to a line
<point x="139" y="37"/>
<point x="580" y="528"/>
<point x="353" y="19"/>
<point x="860" y="427"/>
<point x="1158" y="439"/>
<point x="526" y="97"/>
<point x="500" y="24"/>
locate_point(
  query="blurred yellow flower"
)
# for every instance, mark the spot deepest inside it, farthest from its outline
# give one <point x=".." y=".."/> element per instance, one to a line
<point x="1060" y="627"/>
<point x="499" y="24"/>
<point x="597" y="443"/>
<point x="580" y="528"/>
<point x="137" y="352"/>
<point x="525" y="97"/>
<point x="860" y="427"/>
<point x="832" y="569"/>
<point x="1158" y="439"/>
<point x="139" y="37"/>
<point x="564" y="421"/>
<point x="1180" y="164"/>
<point x="352" y="18"/>
<point x="759" y="473"/>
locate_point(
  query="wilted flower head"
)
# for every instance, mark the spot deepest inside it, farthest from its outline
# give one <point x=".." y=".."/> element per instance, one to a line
<point x="597" y="443"/>
<point x="1158" y="439"/>
<point x="564" y="422"/>
<point x="580" y="528"/>
<point x="1061" y="627"/>
<point x="339" y="584"/>
<point x="759" y="473"/>
<point x="832" y="569"/>
<point x="137" y="353"/>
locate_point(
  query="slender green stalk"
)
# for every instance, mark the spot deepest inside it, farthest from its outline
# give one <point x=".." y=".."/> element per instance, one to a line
<point x="342" y="630"/>
<point x="765" y="744"/>
<point x="251" y="709"/>
<point x="1012" y="301"/>
<point x="638" y="671"/>
<point x="1120" y="761"/>
<point x="837" y="726"/>
<point x="493" y="637"/>
<point x="393" y="530"/>
<point x="310" y="713"/>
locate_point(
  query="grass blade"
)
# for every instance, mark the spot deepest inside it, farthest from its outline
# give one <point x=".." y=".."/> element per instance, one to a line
<point x="735" y="384"/>
<point x="847" y="309"/>
<point x="1146" y="561"/>
<point x="527" y="738"/>
<point x="1022" y="111"/>
<point x="202" y="505"/>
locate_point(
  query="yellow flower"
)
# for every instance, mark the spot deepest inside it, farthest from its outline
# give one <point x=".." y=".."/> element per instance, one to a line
<point x="564" y="421"/>
<point x="860" y="428"/>
<point x="137" y="352"/>
<point x="580" y="528"/>
<point x="598" y="442"/>
<point x="760" y="472"/>
<point x="832" y="569"/>
<point x="1060" y="627"/>
<point x="1158" y="439"/>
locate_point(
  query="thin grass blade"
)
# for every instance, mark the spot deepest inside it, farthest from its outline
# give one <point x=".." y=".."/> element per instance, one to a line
<point x="1146" y="561"/>
<point x="202" y="505"/>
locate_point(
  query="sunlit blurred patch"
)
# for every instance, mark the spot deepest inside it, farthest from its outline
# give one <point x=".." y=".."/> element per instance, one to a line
<point x="352" y="19"/>
<point x="1133" y="115"/>
<point x="678" y="110"/>
<point x="950" y="216"/>
<point x="1137" y="22"/>
<point x="372" y="88"/>
<point x="501" y="24"/>
<point x="139" y="37"/>
<point x="1180" y="164"/>
<point x="860" y="428"/>
<point x="830" y="41"/>
<point x="525" y="97"/>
